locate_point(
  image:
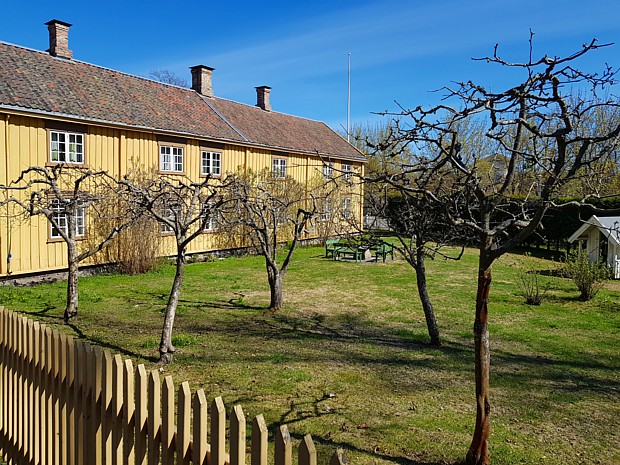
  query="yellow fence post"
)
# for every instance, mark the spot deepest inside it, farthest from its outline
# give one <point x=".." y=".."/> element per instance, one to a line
<point x="237" y="436"/>
<point x="141" y="415"/>
<point x="167" y="421"/>
<point x="129" y="414"/>
<point x="154" y="421"/>
<point x="22" y="438"/>
<point x="283" y="452"/>
<point x="70" y="398"/>
<point x="63" y="432"/>
<point x="96" y="404"/>
<point x="37" y="392"/>
<point x="54" y="379"/>
<point x="26" y="348"/>
<point x="117" y="409"/>
<point x="338" y="458"/>
<point x="184" y="400"/>
<point x="199" y="436"/>
<point x="42" y="382"/>
<point x="79" y="395"/>
<point x="218" y="432"/>
<point x="49" y="398"/>
<point x="307" y="451"/>
<point x="106" y="407"/>
<point x="260" y="436"/>
<point x="2" y="385"/>
<point x="13" y="401"/>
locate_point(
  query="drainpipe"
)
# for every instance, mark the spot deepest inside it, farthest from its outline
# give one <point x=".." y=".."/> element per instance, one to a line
<point x="9" y="256"/>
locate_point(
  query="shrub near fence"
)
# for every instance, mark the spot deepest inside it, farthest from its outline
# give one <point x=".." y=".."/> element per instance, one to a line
<point x="64" y="401"/>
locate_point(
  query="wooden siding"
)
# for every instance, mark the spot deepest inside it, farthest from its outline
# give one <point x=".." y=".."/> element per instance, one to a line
<point x="24" y="143"/>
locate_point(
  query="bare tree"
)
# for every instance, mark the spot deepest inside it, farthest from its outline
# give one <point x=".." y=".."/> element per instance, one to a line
<point x="66" y="195"/>
<point x="420" y="226"/>
<point x="168" y="77"/>
<point x="184" y="210"/>
<point x="535" y="127"/>
<point x="271" y="210"/>
<point x="423" y="233"/>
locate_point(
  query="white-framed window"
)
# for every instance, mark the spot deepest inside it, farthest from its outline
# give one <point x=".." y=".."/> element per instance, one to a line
<point x="171" y="158"/>
<point x="60" y="217"/>
<point x="279" y="168"/>
<point x="211" y="163"/>
<point x="347" y="171"/>
<point x="328" y="170"/>
<point x="326" y="211"/>
<point x="213" y="222"/>
<point x="346" y="208"/>
<point x="165" y="228"/>
<point x="66" y="147"/>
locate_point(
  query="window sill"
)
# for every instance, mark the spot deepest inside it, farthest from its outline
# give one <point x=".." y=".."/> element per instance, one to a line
<point x="172" y="173"/>
<point x="50" y="164"/>
<point x="55" y="240"/>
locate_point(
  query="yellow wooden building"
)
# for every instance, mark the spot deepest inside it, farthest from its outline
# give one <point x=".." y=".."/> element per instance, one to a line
<point x="56" y="109"/>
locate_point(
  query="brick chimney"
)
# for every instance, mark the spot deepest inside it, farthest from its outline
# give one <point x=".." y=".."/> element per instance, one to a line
<point x="202" y="80"/>
<point x="262" y="97"/>
<point x="59" y="39"/>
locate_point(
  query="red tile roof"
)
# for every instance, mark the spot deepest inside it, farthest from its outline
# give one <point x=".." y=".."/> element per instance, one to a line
<point x="278" y="130"/>
<point x="35" y="81"/>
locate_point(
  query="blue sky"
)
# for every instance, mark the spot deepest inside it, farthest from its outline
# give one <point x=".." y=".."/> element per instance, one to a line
<point x="400" y="50"/>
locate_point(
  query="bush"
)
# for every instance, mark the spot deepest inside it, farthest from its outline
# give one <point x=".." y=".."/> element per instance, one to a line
<point x="589" y="277"/>
<point x="138" y="247"/>
<point x="533" y="286"/>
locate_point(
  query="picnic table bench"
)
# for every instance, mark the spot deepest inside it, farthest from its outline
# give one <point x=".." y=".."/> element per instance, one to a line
<point x="330" y="247"/>
<point x="357" y="253"/>
<point x="383" y="250"/>
<point x="357" y="249"/>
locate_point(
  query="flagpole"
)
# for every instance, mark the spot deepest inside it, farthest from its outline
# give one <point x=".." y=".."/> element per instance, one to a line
<point x="349" y="99"/>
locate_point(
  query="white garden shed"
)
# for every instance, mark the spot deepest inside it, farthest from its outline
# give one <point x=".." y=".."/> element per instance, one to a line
<point x="600" y="238"/>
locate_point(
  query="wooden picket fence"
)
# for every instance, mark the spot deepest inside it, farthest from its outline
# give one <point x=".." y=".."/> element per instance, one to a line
<point x="64" y="401"/>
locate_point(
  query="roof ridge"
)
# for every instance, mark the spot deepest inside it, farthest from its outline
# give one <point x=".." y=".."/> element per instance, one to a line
<point x="86" y="63"/>
<point x="205" y="99"/>
<point x="271" y="111"/>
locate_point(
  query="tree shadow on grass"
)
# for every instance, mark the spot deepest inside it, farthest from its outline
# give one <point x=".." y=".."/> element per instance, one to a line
<point x="326" y="441"/>
<point x="107" y="345"/>
<point x="356" y="341"/>
<point x="298" y="411"/>
<point x="232" y="303"/>
<point x="79" y="334"/>
<point x="560" y="372"/>
<point x="43" y="313"/>
<point x="312" y="409"/>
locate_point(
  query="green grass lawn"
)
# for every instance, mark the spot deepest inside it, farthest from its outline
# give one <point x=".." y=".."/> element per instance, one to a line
<point x="346" y="359"/>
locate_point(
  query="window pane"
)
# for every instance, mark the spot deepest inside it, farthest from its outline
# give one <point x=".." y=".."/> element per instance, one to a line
<point x="279" y="167"/>
<point x="66" y="147"/>
<point x="170" y="158"/>
<point x="206" y="162"/>
<point x="216" y="163"/>
<point x="80" y="227"/>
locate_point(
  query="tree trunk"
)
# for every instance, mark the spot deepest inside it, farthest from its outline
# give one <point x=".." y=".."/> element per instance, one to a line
<point x="71" y="310"/>
<point x="478" y="453"/>
<point x="275" y="286"/>
<point x="427" y="306"/>
<point x="166" y="349"/>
